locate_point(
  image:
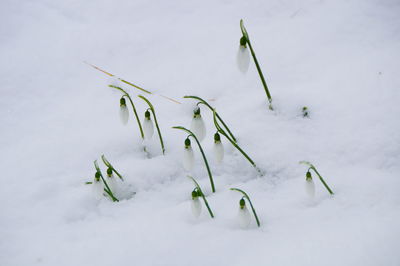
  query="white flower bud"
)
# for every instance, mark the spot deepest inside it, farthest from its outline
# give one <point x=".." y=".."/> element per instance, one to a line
<point x="198" y="127"/>
<point x="310" y="187"/>
<point x="188" y="158"/>
<point x="196" y="207"/>
<point x="218" y="151"/>
<point x="148" y="128"/>
<point x="244" y="217"/>
<point x="243" y="58"/>
<point x="112" y="183"/>
<point x="124" y="114"/>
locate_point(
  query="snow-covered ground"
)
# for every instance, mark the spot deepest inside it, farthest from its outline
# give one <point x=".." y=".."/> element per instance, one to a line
<point x="339" y="58"/>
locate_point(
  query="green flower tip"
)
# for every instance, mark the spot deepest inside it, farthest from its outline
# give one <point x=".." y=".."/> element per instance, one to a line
<point x="187" y="143"/>
<point x="308" y="175"/>
<point x="109" y="172"/>
<point x="122" y="101"/>
<point x="194" y="194"/>
<point x="217" y="137"/>
<point x="305" y="108"/>
<point x="196" y="112"/>
<point x="97" y="176"/>
<point x="243" y="41"/>
<point x="242" y="203"/>
<point x="147" y="115"/>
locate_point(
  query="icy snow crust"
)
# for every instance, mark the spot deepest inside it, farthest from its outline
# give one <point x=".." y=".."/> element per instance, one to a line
<point x="339" y="58"/>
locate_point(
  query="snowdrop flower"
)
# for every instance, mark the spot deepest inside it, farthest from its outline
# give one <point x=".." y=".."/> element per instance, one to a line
<point x="148" y="126"/>
<point x="123" y="111"/>
<point x="243" y="56"/>
<point x="218" y="148"/>
<point x="309" y="185"/>
<point x="97" y="186"/>
<point x="188" y="156"/>
<point x="197" y="126"/>
<point x="244" y="214"/>
<point x="112" y="181"/>
<point x="196" y="204"/>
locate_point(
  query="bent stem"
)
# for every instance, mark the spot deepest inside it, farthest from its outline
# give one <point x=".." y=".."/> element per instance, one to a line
<point x="246" y="35"/>
<point x="155" y="121"/>
<point x="191" y="134"/>
<point x="211" y="108"/>
<point x="109" y="165"/>
<point x="251" y="205"/>
<point x="202" y="195"/>
<point x="107" y="188"/>
<point x="220" y="130"/>
<point x="125" y="94"/>
<point x="312" y="167"/>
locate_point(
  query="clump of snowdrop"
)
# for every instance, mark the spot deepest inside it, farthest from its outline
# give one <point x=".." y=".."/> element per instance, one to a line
<point x="123" y="111"/>
<point x="244" y="217"/>
<point x="309" y="185"/>
<point x="218" y="148"/>
<point x="311" y="188"/>
<point x="243" y="56"/>
<point x="148" y="126"/>
<point x="197" y="126"/>
<point x="100" y="187"/>
<point x="196" y="204"/>
<point x="188" y="156"/>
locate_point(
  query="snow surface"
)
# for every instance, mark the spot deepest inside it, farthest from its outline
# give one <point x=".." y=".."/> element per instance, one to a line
<point x="339" y="58"/>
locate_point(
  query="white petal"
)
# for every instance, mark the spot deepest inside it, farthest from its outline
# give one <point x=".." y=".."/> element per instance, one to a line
<point x="244" y="217"/>
<point x="196" y="207"/>
<point x="148" y="128"/>
<point x="112" y="182"/>
<point x="98" y="189"/>
<point x="218" y="152"/>
<point x="310" y="188"/>
<point x="124" y="114"/>
<point x="188" y="159"/>
<point x="198" y="128"/>
<point x="243" y="58"/>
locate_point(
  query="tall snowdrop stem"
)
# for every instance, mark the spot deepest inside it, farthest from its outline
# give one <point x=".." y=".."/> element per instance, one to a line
<point x="202" y="195"/>
<point x="312" y="167"/>
<point x="191" y="134"/>
<point x="155" y="121"/>
<point x="251" y="205"/>
<point x="201" y="101"/>
<point x="246" y="36"/>
<point x="222" y="132"/>
<point x="109" y="165"/>
<point x="125" y="94"/>
<point x="107" y="188"/>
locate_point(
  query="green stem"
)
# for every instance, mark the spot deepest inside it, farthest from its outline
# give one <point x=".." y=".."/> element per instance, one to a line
<point x="155" y="121"/>
<point x="220" y="130"/>
<point x="202" y="195"/>
<point x="202" y="153"/>
<point x="320" y="177"/>
<point x="246" y="35"/>
<point x="211" y="108"/>
<point x="107" y="189"/>
<point x="251" y="205"/>
<point x="108" y="164"/>
<point x="133" y="107"/>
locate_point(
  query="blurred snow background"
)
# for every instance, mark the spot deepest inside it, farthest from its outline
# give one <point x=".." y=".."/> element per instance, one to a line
<point x="339" y="58"/>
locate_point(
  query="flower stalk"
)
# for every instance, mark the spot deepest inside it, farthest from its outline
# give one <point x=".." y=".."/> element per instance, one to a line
<point x="155" y="121"/>
<point x="107" y="188"/>
<point x="251" y="205"/>
<point x="191" y="134"/>
<point x="200" y="193"/>
<point x="125" y="94"/>
<point x="246" y="40"/>
<point x="201" y="101"/>
<point x="222" y="132"/>
<point x="109" y="165"/>
<point x="312" y="167"/>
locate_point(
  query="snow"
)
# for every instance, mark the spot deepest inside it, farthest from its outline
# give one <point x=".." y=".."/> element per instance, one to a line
<point x="338" y="58"/>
